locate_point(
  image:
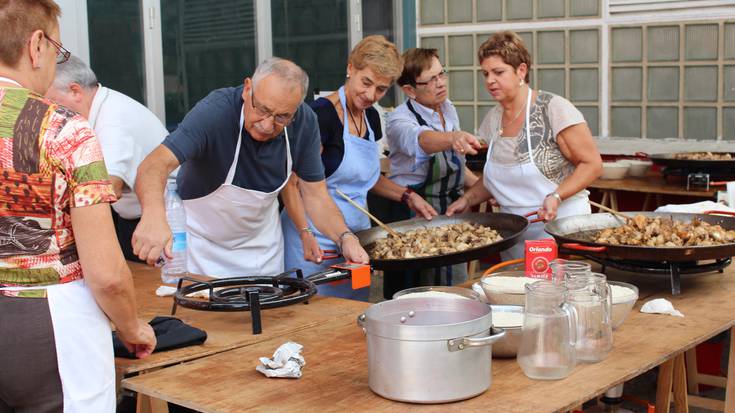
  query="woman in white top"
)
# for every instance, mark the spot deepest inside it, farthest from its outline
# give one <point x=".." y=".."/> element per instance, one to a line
<point x="547" y="173"/>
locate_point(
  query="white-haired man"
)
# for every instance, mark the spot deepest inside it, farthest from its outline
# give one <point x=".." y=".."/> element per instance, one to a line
<point x="127" y="132"/>
<point x="237" y="149"/>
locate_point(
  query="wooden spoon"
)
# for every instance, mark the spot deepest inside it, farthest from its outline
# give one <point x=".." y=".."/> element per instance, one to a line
<point x="365" y="211"/>
<point x="610" y="210"/>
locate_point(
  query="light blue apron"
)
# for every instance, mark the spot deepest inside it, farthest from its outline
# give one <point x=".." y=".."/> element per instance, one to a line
<point x="356" y="175"/>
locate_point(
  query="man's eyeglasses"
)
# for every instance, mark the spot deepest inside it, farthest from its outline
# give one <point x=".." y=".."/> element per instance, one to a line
<point x="261" y="111"/>
<point x="434" y="79"/>
<point x="62" y="55"/>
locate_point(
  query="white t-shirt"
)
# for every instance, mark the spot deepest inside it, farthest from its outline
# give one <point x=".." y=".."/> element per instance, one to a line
<point x="550" y="114"/>
<point x="127" y="132"/>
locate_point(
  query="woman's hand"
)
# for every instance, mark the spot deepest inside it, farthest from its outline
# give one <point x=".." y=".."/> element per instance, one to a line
<point x="420" y="206"/>
<point x="548" y="209"/>
<point x="463" y="142"/>
<point x="312" y="251"/>
<point x="352" y="251"/>
<point x="462" y="204"/>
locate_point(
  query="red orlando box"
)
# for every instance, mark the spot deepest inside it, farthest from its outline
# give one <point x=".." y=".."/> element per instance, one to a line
<point x="539" y="254"/>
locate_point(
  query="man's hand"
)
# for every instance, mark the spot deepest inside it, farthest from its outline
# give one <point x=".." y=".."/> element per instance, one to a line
<point x="312" y="251"/>
<point x="151" y="238"/>
<point x="420" y="206"/>
<point x="463" y="142"/>
<point x="141" y="341"/>
<point x="352" y="251"/>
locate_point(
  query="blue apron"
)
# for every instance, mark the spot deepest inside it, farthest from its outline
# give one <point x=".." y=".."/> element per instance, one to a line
<point x="356" y="175"/>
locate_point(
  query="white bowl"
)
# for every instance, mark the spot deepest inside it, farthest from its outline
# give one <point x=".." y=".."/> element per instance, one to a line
<point x="432" y="291"/>
<point x="614" y="170"/>
<point x="506" y="287"/>
<point x="508" y="345"/>
<point x="637" y="167"/>
<point x="622" y="304"/>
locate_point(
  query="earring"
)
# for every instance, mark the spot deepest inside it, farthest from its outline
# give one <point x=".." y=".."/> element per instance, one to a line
<point x="521" y="83"/>
<point x="347" y="76"/>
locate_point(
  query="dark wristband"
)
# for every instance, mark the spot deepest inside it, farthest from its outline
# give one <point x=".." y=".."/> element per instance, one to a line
<point x="406" y="194"/>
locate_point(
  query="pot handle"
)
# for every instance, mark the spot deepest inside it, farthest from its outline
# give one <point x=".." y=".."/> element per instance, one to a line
<point x="457" y="344"/>
<point x="579" y="247"/>
<point x="361" y="323"/>
<point x="530" y="214"/>
<point x="719" y="213"/>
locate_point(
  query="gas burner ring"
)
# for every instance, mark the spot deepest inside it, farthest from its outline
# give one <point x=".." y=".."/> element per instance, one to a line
<point x="241" y="293"/>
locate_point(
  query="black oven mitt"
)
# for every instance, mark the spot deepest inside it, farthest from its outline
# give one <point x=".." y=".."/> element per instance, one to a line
<point x="171" y="333"/>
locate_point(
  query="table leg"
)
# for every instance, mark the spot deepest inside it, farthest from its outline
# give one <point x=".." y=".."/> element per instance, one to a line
<point x="663" y="387"/>
<point x="681" y="405"/>
<point x="148" y="404"/>
<point x="605" y="197"/>
<point x="614" y="200"/>
<point x="692" y="373"/>
<point x="646" y="201"/>
<point x="730" y="389"/>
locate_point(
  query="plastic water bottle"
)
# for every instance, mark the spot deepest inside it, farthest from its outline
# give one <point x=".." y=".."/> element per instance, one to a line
<point x="175" y="267"/>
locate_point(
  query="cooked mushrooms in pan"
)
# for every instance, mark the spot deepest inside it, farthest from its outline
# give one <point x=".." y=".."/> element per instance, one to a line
<point x="665" y="232"/>
<point x="703" y="156"/>
<point x="425" y="242"/>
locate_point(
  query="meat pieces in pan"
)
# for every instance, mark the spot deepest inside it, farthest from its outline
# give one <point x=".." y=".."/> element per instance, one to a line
<point x="425" y="242"/>
<point x="665" y="232"/>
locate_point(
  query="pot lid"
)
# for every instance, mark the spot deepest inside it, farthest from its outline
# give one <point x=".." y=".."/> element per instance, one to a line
<point x="428" y="318"/>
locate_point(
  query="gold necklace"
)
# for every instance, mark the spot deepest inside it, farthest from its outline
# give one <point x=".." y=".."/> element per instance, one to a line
<point x="500" y="130"/>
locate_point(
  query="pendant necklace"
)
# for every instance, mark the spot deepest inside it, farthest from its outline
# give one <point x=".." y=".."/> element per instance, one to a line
<point x="500" y="130"/>
<point x="357" y="127"/>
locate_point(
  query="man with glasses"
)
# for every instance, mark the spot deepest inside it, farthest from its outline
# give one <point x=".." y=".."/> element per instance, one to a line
<point x="427" y="153"/>
<point x="127" y="131"/>
<point x="62" y="275"/>
<point x="237" y="149"/>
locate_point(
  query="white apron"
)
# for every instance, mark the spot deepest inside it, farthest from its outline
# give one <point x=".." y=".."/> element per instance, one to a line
<point x="520" y="189"/>
<point x="235" y="231"/>
<point x="356" y="174"/>
<point x="83" y="341"/>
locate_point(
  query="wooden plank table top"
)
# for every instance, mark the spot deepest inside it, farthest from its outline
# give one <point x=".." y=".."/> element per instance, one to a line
<point x="336" y="375"/>
<point x="653" y="183"/>
<point x="225" y="330"/>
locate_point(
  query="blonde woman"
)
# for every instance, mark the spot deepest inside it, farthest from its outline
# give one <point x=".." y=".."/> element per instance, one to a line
<point x="541" y="156"/>
<point x="349" y="128"/>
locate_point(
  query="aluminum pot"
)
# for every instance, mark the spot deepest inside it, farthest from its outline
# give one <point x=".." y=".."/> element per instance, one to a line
<point x="429" y="349"/>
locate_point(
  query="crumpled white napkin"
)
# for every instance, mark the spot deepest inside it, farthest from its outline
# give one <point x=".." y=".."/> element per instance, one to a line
<point x="165" y="291"/>
<point x="286" y="362"/>
<point x="660" y="306"/>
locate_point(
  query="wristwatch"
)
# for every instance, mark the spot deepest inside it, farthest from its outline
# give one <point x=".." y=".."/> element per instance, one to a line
<point x="307" y="230"/>
<point x="555" y="195"/>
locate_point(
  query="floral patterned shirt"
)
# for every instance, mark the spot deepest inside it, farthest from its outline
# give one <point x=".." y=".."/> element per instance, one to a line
<point x="50" y="162"/>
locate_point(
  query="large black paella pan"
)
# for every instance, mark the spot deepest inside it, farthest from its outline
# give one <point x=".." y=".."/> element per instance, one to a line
<point x="575" y="233"/>
<point x="510" y="227"/>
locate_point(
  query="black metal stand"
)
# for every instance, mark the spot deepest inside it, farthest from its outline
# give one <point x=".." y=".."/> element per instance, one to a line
<point x="674" y="269"/>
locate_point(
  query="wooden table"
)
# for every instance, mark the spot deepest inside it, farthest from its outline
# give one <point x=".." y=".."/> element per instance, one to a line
<point x="336" y="378"/>
<point x="653" y="185"/>
<point x="225" y="331"/>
